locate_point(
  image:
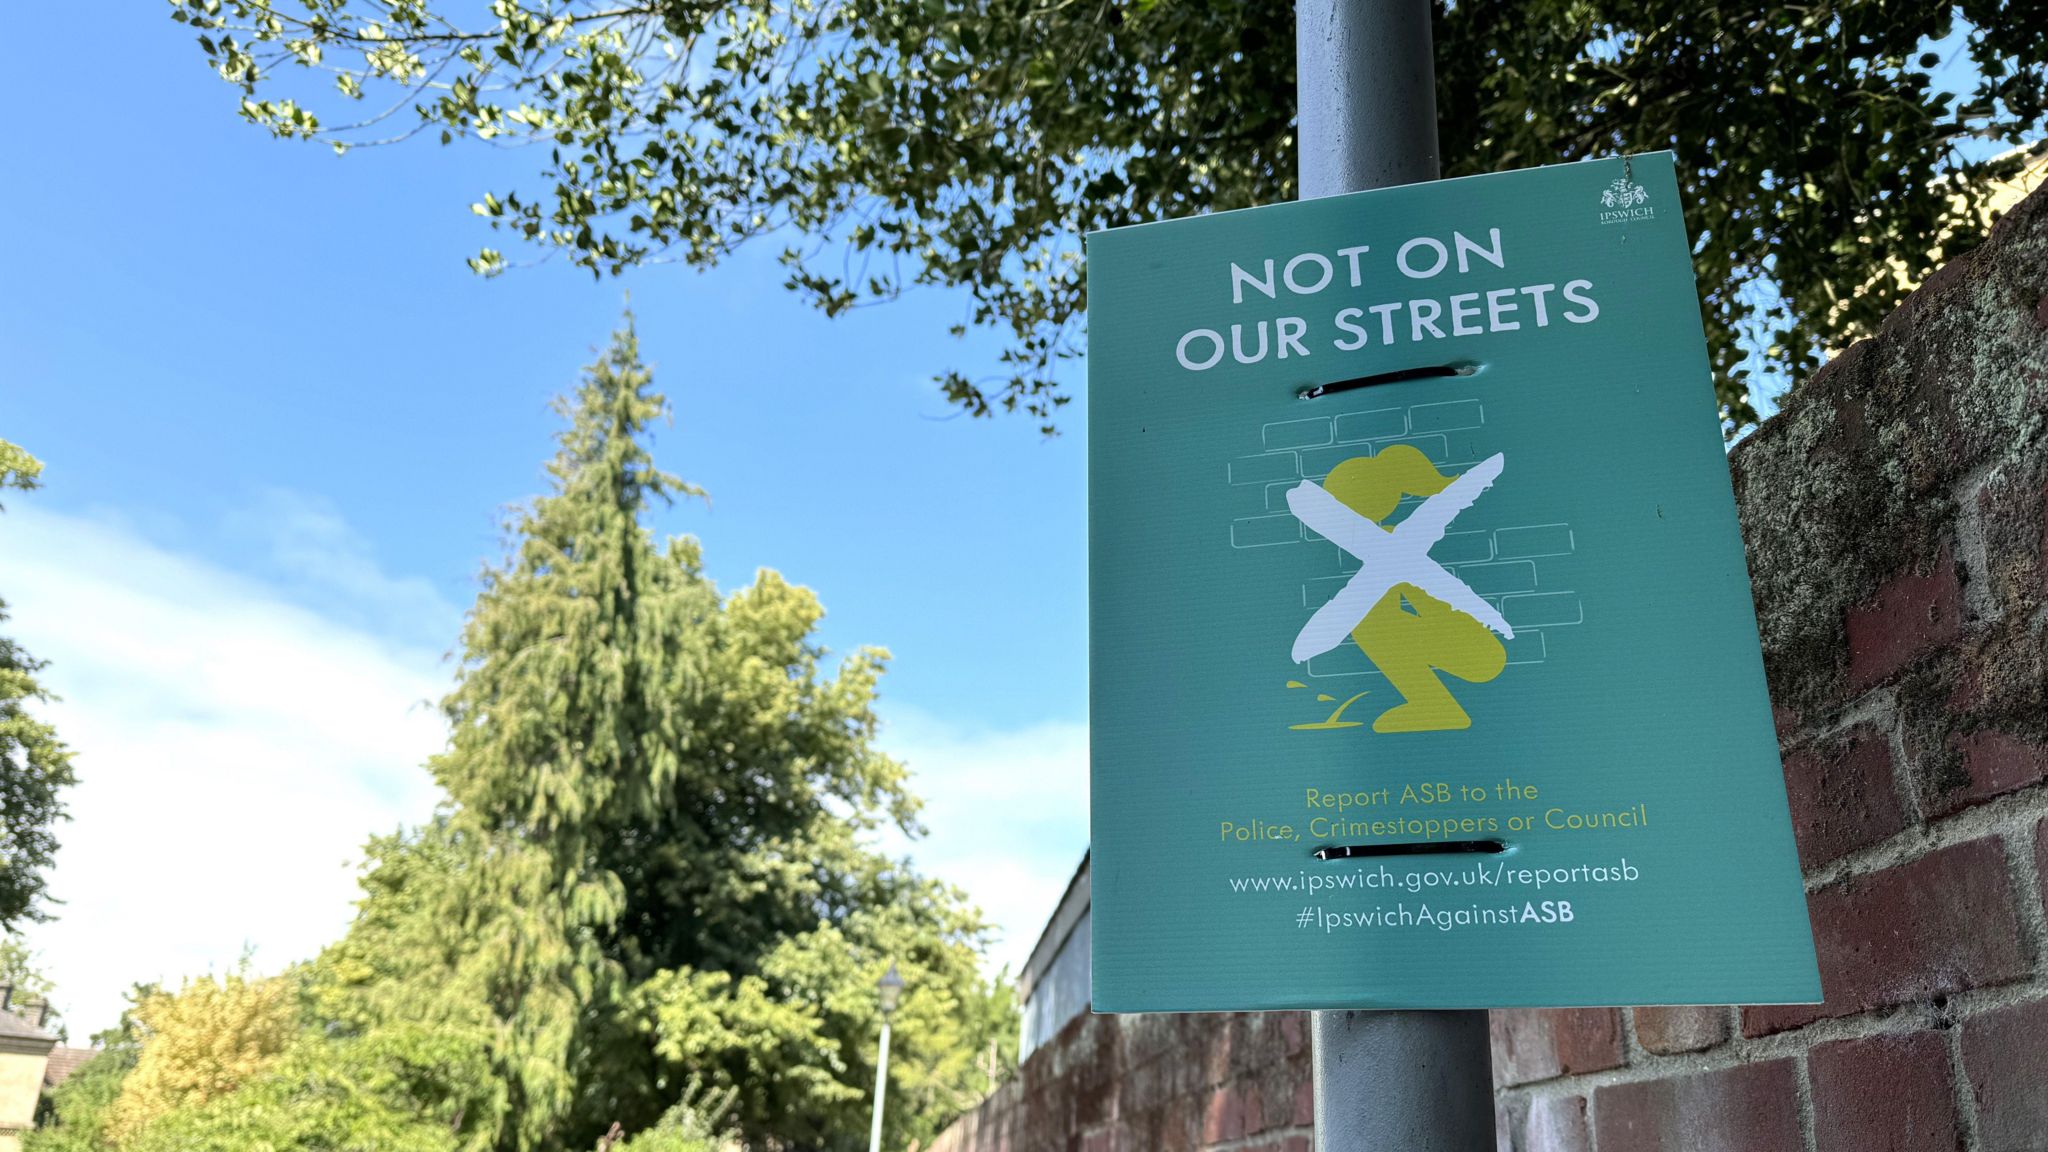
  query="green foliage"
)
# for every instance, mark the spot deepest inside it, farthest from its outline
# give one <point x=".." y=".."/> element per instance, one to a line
<point x="388" y="1091"/>
<point x="245" y="1065"/>
<point x="647" y="901"/>
<point x="694" y="1124"/>
<point x="18" y="970"/>
<point x="34" y="765"/>
<point x="650" y="872"/>
<point x="204" y="1042"/>
<point x="18" y="469"/>
<point x="75" y="1116"/>
<point x="972" y="145"/>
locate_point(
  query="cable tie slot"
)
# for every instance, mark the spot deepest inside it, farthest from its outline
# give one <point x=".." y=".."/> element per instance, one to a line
<point x="1424" y="848"/>
<point x="1463" y="368"/>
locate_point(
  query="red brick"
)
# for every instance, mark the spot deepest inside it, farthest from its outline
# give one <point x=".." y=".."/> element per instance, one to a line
<point x="2013" y="509"/>
<point x="1218" y="1040"/>
<point x="1747" y="1108"/>
<point x="1670" y="1030"/>
<point x="1293" y="1027"/>
<point x="1936" y="925"/>
<point x="1914" y="614"/>
<point x="1542" y="1124"/>
<point x="1883" y="1094"/>
<point x="1223" y="1117"/>
<point x="1254" y="1110"/>
<point x="1304" y="1103"/>
<point x="1172" y="1128"/>
<point x="1842" y="795"/>
<point x="2007" y="1063"/>
<point x="1555" y="1124"/>
<point x="1537" y="1044"/>
<point x="1997" y="764"/>
<point x="1102" y="1140"/>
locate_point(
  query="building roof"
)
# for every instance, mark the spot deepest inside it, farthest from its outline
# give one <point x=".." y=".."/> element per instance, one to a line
<point x="15" y="1027"/>
<point x="1074" y="904"/>
<point x="18" y="1035"/>
<point x="64" y="1060"/>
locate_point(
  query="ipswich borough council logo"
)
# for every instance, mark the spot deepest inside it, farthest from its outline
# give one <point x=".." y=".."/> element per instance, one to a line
<point x="1624" y="201"/>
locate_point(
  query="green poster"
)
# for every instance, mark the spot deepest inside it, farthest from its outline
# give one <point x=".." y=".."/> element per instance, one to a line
<point x="1424" y="671"/>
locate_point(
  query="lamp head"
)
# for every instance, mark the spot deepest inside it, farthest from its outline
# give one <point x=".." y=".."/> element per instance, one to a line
<point x="891" y="988"/>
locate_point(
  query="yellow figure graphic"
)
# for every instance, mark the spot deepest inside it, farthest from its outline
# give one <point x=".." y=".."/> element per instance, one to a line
<point x="1336" y="716"/>
<point x="1409" y="635"/>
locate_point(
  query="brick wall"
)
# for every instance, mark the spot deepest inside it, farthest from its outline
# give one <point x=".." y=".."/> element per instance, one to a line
<point x="1896" y="514"/>
<point x="1157" y="1083"/>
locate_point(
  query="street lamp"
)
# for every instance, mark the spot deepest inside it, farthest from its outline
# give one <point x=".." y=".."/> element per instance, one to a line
<point x="891" y="989"/>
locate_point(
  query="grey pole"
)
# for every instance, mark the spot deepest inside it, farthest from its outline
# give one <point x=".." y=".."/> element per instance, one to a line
<point x="1366" y="85"/>
<point x="1403" y="1082"/>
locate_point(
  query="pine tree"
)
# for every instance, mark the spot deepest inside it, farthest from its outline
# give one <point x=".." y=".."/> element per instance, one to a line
<point x="651" y="871"/>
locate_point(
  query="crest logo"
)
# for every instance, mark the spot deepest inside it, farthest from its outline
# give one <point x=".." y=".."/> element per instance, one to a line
<point x="1624" y="201"/>
<point x="1624" y="193"/>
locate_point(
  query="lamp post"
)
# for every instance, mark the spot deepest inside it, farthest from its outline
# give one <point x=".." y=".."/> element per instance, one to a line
<point x="891" y="988"/>
<point x="1406" y="1081"/>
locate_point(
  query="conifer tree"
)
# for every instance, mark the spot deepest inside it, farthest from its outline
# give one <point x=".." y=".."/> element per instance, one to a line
<point x="649" y="887"/>
<point x="652" y="869"/>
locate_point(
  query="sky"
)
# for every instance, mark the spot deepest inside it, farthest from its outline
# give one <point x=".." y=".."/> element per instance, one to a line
<point x="280" y="420"/>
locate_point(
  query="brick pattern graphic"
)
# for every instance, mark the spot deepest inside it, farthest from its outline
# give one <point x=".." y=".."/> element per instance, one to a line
<point x="1521" y="569"/>
<point x="1896" y="516"/>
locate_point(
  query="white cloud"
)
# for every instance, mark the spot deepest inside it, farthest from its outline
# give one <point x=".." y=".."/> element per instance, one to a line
<point x="233" y="750"/>
<point x="1007" y="813"/>
<point x="332" y="568"/>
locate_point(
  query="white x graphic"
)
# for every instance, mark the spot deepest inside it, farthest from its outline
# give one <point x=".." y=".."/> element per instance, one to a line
<point x="1390" y="558"/>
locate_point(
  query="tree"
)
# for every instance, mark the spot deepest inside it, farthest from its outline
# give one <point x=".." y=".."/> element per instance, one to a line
<point x="692" y="1125"/>
<point x="647" y="901"/>
<point x="20" y="972"/>
<point x="35" y="767"/>
<point x="74" y="1117"/>
<point x="650" y="869"/>
<point x="972" y="145"/>
<point x="205" y="1042"/>
<point x="400" y="1088"/>
<point x="239" y="1065"/>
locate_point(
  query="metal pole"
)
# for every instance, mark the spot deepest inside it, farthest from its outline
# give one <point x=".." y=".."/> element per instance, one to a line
<point x="881" y="1086"/>
<point x="1403" y="1082"/>
<point x="1366" y="87"/>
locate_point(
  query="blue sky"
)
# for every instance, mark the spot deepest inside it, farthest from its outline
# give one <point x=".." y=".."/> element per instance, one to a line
<point x="279" y="417"/>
